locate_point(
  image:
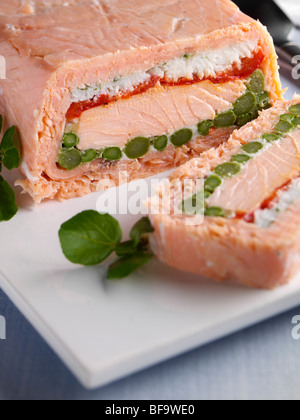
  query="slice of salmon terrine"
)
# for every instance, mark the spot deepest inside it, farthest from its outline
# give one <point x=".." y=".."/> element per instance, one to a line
<point x="234" y="213"/>
<point x="98" y="88"/>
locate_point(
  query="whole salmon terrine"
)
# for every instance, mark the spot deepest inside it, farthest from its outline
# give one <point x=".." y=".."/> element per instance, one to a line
<point x="235" y="211"/>
<point x="99" y="88"/>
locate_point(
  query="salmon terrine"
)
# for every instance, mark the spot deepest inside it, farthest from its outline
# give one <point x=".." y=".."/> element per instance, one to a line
<point x="98" y="88"/>
<point x="242" y="222"/>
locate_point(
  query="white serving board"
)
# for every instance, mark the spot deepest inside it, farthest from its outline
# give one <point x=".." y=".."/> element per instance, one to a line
<point x="104" y="331"/>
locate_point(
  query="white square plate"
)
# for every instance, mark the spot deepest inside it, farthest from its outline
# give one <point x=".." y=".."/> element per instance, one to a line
<point x="104" y="331"/>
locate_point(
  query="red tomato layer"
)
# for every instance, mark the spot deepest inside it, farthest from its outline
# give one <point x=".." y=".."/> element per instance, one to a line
<point x="269" y="203"/>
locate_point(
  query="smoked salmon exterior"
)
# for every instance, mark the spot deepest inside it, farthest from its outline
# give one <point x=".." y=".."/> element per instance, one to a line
<point x="97" y="88"/>
<point x="248" y="228"/>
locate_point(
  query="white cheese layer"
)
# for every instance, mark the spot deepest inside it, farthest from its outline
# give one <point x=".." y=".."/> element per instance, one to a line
<point x="264" y="218"/>
<point x="209" y="63"/>
<point x="27" y="172"/>
<point x="124" y="84"/>
<point x="203" y="65"/>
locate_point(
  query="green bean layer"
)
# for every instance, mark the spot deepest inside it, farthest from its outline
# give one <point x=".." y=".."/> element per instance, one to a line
<point x="288" y="122"/>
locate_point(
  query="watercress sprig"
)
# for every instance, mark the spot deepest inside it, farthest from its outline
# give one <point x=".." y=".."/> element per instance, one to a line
<point x="90" y="238"/>
<point x="10" y="157"/>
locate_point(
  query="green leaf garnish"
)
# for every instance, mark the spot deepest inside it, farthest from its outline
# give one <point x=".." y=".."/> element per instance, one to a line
<point x="127" y="265"/>
<point x="125" y="249"/>
<point x="89" y="238"/>
<point x="10" y="156"/>
<point x="140" y="229"/>
<point x="10" y="149"/>
<point x="8" y="206"/>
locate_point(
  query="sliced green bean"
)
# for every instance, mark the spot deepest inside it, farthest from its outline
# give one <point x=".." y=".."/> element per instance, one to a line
<point x="211" y="183"/>
<point x="181" y="137"/>
<point x="207" y="194"/>
<point x="254" y="113"/>
<point x="226" y="119"/>
<point x="295" y="109"/>
<point x="228" y="169"/>
<point x="257" y="82"/>
<point x="245" y="104"/>
<point x="241" y="158"/>
<point x="264" y="100"/>
<point x="287" y="117"/>
<point x="89" y="156"/>
<point x="253" y="147"/>
<point x="70" y="140"/>
<point x="204" y="127"/>
<point x="214" y="212"/>
<point x="69" y="158"/>
<point x="296" y="122"/>
<point x="271" y="137"/>
<point x="160" y="143"/>
<point x="137" y="148"/>
<point x="283" y="127"/>
<point x="244" y="119"/>
<point x="112" y="153"/>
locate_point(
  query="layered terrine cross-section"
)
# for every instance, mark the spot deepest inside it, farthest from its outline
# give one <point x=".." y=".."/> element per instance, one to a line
<point x="246" y="212"/>
<point x="98" y="88"/>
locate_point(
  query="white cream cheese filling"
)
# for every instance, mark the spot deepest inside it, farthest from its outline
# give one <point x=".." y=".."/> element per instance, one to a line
<point x="264" y="218"/>
<point x="27" y="172"/>
<point x="203" y="65"/>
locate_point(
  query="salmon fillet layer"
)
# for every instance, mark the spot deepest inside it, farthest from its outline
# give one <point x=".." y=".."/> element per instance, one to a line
<point x="97" y="88"/>
<point x="236" y="210"/>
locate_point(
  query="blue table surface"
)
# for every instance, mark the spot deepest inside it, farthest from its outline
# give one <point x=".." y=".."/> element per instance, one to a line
<point x="262" y="362"/>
